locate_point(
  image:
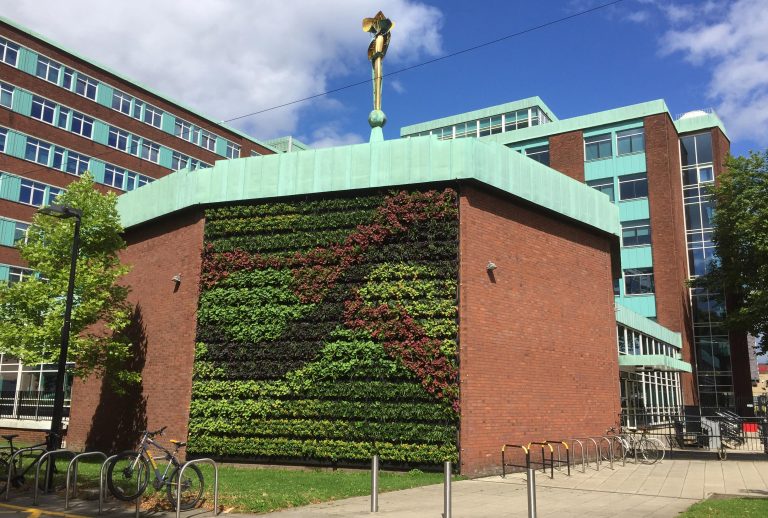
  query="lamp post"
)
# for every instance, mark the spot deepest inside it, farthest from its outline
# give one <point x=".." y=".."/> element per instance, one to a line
<point x="64" y="212"/>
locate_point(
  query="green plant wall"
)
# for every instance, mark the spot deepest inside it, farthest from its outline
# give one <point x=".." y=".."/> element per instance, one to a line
<point x="327" y="331"/>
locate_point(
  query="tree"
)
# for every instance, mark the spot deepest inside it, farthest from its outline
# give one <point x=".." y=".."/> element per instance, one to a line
<point x="32" y="312"/>
<point x="741" y="244"/>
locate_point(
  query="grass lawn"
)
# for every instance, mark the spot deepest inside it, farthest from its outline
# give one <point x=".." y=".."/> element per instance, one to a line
<point x="728" y="507"/>
<point x="251" y="489"/>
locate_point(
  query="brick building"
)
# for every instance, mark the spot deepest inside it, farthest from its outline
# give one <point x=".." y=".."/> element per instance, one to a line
<point x="60" y="115"/>
<point x="655" y="168"/>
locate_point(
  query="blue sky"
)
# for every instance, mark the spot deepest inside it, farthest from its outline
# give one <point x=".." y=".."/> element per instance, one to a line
<point x="231" y="57"/>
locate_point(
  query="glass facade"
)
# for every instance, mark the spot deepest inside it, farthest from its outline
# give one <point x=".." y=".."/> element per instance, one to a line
<point x="490" y="125"/>
<point x="713" y="350"/>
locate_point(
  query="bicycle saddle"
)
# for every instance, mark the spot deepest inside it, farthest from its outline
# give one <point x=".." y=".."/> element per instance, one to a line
<point x="180" y="444"/>
<point x="9" y="437"/>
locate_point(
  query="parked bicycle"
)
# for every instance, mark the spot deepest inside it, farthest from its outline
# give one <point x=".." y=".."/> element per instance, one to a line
<point x="15" y="463"/>
<point x="638" y="444"/>
<point x="128" y="474"/>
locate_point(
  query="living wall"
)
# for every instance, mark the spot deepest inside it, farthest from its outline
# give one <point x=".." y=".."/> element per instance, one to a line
<point x="327" y="331"/>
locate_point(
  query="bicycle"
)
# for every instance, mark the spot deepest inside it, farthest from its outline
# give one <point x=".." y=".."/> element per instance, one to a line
<point x="638" y="444"/>
<point x="17" y="469"/>
<point x="128" y="473"/>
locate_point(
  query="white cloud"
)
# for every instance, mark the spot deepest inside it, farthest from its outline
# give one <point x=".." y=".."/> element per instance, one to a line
<point x="397" y="85"/>
<point x="230" y="57"/>
<point x="730" y="38"/>
<point x="330" y="136"/>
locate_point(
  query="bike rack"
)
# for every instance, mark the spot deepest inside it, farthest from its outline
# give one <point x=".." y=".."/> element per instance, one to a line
<point x="559" y="457"/>
<point x="616" y="439"/>
<point x="597" y="451"/>
<point x="610" y="449"/>
<point x="527" y="458"/>
<point x="45" y="455"/>
<point x="178" y="486"/>
<point x="103" y="479"/>
<point x="74" y="463"/>
<point x="543" y="459"/>
<point x="18" y="453"/>
<point x="583" y="458"/>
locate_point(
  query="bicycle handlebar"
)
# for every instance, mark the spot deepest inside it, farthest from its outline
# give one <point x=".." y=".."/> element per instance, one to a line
<point x="158" y="432"/>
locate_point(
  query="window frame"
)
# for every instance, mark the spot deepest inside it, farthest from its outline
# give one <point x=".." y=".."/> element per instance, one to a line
<point x="6" y="48"/>
<point x="638" y="178"/>
<point x="597" y="140"/>
<point x="628" y="134"/>
<point x="45" y="107"/>
<point x="601" y="183"/>
<point x="7" y="90"/>
<point x="48" y="65"/>
<point x="637" y="274"/>
<point x="630" y="226"/>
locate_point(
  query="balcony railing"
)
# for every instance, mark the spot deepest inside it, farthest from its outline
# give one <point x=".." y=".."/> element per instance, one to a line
<point x="35" y="405"/>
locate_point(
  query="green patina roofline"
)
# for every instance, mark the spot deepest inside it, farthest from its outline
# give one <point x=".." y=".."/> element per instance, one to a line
<point x="400" y="162"/>
<point x="657" y="361"/>
<point x="629" y="318"/>
<point x="478" y="114"/>
<point x="122" y="77"/>
<point x="701" y="122"/>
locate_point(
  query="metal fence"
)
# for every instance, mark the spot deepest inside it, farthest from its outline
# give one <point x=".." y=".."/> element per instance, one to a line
<point x="35" y="405"/>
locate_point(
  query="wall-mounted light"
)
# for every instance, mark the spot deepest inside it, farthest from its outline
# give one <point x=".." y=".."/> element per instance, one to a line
<point x="177" y="279"/>
<point x="490" y="266"/>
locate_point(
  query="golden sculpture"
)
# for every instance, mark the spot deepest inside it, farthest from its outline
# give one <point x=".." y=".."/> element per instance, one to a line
<point x="379" y="27"/>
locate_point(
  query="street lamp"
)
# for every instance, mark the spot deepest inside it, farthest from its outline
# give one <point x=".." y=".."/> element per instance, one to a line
<point x="64" y="212"/>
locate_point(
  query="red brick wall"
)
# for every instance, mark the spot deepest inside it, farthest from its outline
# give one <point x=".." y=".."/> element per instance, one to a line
<point x="164" y="328"/>
<point x="566" y="154"/>
<point x="670" y="259"/>
<point x="25" y="437"/>
<point x="537" y="338"/>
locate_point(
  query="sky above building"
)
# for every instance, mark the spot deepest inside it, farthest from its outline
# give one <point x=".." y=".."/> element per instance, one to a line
<point x="229" y="58"/>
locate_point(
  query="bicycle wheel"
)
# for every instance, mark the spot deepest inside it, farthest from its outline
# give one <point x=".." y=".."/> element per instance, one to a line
<point x="123" y="476"/>
<point x="648" y="451"/>
<point x="3" y="475"/>
<point x="660" y="446"/>
<point x="192" y="487"/>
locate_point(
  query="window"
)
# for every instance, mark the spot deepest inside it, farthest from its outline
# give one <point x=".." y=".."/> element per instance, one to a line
<point x="185" y="130"/>
<point x="135" y="180"/>
<point x="20" y="232"/>
<point x="207" y="140"/>
<point x="86" y="86"/>
<point x="197" y="164"/>
<point x="82" y="125"/>
<point x="118" y="139"/>
<point x="696" y="149"/>
<point x="48" y="70"/>
<point x="32" y="193"/>
<point x="8" y="52"/>
<point x="18" y="275"/>
<point x="43" y="109"/>
<point x="150" y="151"/>
<point x="69" y="75"/>
<point x="3" y="134"/>
<point x="630" y="141"/>
<point x="604" y="186"/>
<point x="153" y="116"/>
<point x="114" y="176"/>
<point x="598" y="146"/>
<point x="178" y="161"/>
<point x="633" y="186"/>
<point x="638" y="281"/>
<point x="138" y="107"/>
<point x="64" y="114"/>
<point x="539" y="153"/>
<point x="516" y="120"/>
<point x="76" y="163"/>
<point x="28" y="390"/>
<point x="52" y="193"/>
<point x="233" y="150"/>
<point x="636" y="233"/>
<point x="466" y="129"/>
<point x="6" y="95"/>
<point x="121" y="102"/>
<point x="255" y="153"/>
<point x="37" y="151"/>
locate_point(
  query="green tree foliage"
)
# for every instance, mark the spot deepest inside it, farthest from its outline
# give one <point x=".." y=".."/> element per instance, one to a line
<point x="741" y="241"/>
<point x="32" y="312"/>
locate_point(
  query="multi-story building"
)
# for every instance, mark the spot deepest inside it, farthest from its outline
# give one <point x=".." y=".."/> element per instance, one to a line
<point x="655" y="167"/>
<point x="62" y="114"/>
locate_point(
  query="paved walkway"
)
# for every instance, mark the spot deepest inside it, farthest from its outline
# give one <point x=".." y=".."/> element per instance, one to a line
<point x="661" y="490"/>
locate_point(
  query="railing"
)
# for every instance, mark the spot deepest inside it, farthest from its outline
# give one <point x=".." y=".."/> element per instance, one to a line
<point x="30" y="404"/>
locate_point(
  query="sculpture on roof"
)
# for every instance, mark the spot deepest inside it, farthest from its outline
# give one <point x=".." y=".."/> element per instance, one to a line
<point x="379" y="27"/>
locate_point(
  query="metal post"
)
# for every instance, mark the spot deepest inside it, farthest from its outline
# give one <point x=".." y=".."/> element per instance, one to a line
<point x="215" y="484"/>
<point x="447" y="489"/>
<point x="138" y="488"/>
<point x="375" y="484"/>
<point x="531" y="486"/>
<point x="102" y="480"/>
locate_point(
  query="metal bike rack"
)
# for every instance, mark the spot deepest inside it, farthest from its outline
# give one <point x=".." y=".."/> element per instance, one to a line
<point x="103" y="479"/>
<point x="447" y="489"/>
<point x="52" y="454"/>
<point x="504" y="464"/>
<point x="564" y="444"/>
<point x="617" y="440"/>
<point x="583" y="458"/>
<point x="375" y="484"/>
<point x="74" y="463"/>
<point x="18" y="453"/>
<point x="215" y="486"/>
<point x="597" y="451"/>
<point x="543" y="459"/>
<point x="610" y="449"/>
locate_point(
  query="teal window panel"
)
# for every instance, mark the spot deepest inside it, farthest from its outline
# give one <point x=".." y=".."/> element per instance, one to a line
<point x="104" y="95"/>
<point x="165" y="158"/>
<point x="614" y="166"/>
<point x="27" y="60"/>
<point x="16" y="144"/>
<point x="10" y="187"/>
<point x="97" y="170"/>
<point x="630" y="164"/>
<point x="4" y="271"/>
<point x="636" y="257"/>
<point x="100" y="132"/>
<point x="221" y="146"/>
<point x="168" y="123"/>
<point x="633" y="209"/>
<point x="599" y="169"/>
<point x="22" y="102"/>
<point x="598" y="130"/>
<point x="7" y="232"/>
<point x="645" y="305"/>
